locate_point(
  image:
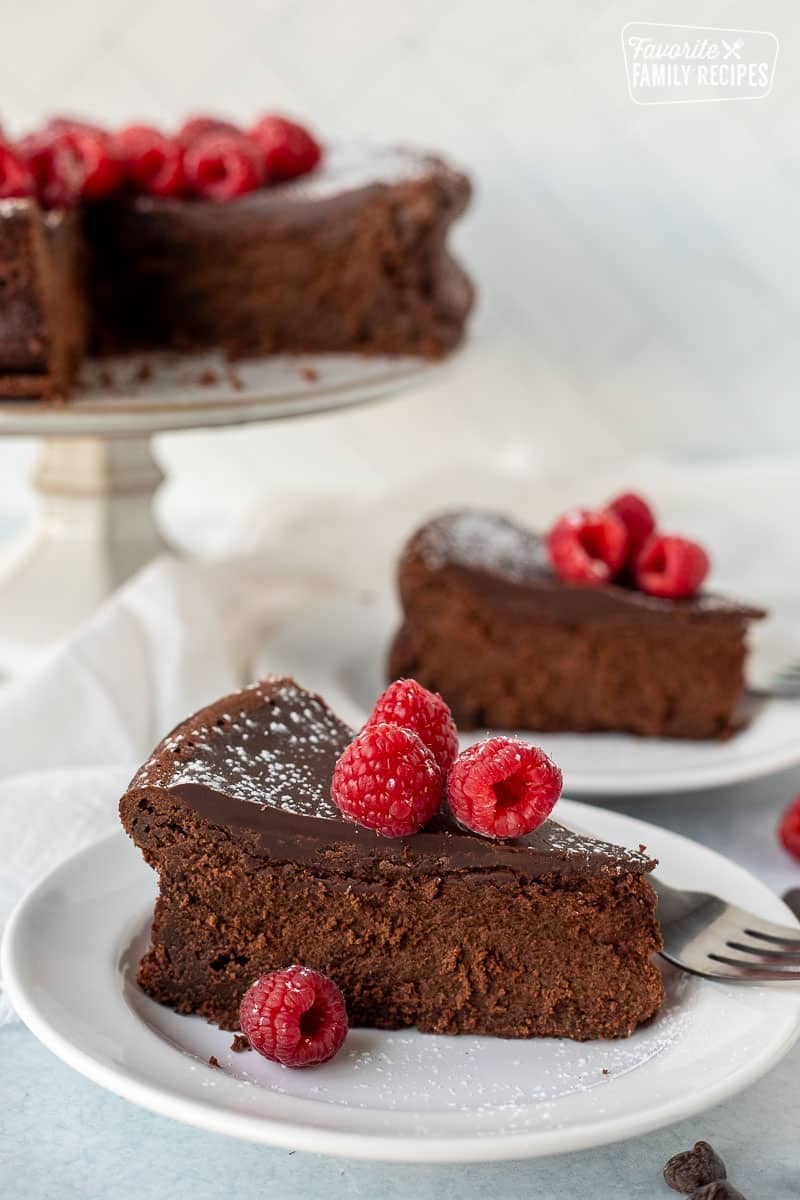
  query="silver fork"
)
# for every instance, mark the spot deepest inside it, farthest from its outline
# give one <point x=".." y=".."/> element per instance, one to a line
<point x="783" y="684"/>
<point x="709" y="937"/>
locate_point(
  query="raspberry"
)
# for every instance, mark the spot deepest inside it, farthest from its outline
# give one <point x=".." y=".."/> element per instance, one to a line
<point x="671" y="567"/>
<point x="587" y="547"/>
<point x="221" y="166"/>
<point x="152" y="163"/>
<point x="637" y="517"/>
<point x="57" y="167"/>
<point x="102" y="171"/>
<point x="387" y="780"/>
<point x="411" y="706"/>
<point x="197" y="127"/>
<point x="502" y="788"/>
<point x="16" y="178"/>
<point x="289" y="149"/>
<point x="789" y="828"/>
<point x="296" y="1017"/>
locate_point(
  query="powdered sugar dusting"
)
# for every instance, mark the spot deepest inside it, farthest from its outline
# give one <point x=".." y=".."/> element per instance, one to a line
<point x="280" y="752"/>
<point x="482" y="541"/>
<point x="574" y="843"/>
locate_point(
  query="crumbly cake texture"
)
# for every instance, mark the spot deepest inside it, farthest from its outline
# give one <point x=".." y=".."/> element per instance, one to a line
<point x="510" y="646"/>
<point x="352" y="257"/>
<point x="549" y="935"/>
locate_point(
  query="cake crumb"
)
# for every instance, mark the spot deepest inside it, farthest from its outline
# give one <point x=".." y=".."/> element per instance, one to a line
<point x="106" y="378"/>
<point x="605" y="1070"/>
<point x="208" y="377"/>
<point x="642" y="848"/>
<point x="235" y="380"/>
<point x="310" y="374"/>
<point x="214" y="1062"/>
<point x="239" y="1043"/>
<point x="143" y="373"/>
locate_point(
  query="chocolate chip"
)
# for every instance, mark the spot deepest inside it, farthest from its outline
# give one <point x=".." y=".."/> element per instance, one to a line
<point x="695" y="1169"/>
<point x="720" y="1189"/>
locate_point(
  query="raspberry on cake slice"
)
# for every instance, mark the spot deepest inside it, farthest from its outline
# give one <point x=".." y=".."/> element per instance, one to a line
<point x="550" y="933"/>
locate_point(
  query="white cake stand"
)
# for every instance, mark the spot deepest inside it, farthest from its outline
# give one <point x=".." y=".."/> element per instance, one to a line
<point x="97" y="477"/>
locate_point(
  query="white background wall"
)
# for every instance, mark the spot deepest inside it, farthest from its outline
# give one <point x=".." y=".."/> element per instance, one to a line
<point x="638" y="266"/>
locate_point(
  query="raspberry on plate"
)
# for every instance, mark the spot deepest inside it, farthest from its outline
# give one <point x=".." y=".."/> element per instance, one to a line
<point x="199" y="126"/>
<point x="289" y="149"/>
<point x="671" y="567"/>
<point x="387" y="780"/>
<point x="637" y="517"/>
<point x="586" y="546"/>
<point x="503" y="788"/>
<point x="153" y="163"/>
<point x="221" y="166"/>
<point x="16" y="178"/>
<point x="296" y="1017"/>
<point x="789" y="828"/>
<point x="408" y="704"/>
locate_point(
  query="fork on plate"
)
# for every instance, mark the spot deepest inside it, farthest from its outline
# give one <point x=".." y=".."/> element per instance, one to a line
<point x="781" y="684"/>
<point x="709" y="937"/>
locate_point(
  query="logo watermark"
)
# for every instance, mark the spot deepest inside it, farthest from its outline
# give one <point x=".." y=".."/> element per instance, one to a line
<point x="692" y="64"/>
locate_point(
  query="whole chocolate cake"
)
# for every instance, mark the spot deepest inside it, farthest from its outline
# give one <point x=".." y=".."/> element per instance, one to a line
<point x="547" y="935"/>
<point x="351" y="257"/>
<point x="509" y="645"/>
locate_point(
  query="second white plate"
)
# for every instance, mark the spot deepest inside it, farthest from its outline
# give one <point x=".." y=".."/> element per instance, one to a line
<point x="340" y="648"/>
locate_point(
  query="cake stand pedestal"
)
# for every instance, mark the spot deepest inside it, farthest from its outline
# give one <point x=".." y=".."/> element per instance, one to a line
<point x="97" y="477"/>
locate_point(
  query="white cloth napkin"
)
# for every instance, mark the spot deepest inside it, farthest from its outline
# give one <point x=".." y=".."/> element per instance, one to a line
<point x="73" y="730"/>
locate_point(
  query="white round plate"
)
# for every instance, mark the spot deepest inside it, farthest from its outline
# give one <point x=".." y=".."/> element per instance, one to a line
<point x="150" y="393"/>
<point x="340" y="650"/>
<point x="68" y="962"/>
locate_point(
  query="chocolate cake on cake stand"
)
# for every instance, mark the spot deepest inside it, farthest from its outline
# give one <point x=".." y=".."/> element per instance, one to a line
<point x="97" y="476"/>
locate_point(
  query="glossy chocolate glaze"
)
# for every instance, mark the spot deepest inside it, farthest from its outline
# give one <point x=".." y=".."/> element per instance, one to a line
<point x="494" y="555"/>
<point x="259" y="764"/>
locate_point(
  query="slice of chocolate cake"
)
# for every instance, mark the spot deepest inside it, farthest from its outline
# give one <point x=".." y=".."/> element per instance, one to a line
<point x="548" y="935"/>
<point x="42" y="309"/>
<point x="509" y="645"/>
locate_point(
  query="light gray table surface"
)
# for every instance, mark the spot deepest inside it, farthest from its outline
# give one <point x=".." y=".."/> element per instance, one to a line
<point x="62" y="1137"/>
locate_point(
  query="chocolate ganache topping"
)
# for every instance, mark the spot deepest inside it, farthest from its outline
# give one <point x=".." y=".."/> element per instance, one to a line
<point x="259" y="764"/>
<point x="491" y="553"/>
